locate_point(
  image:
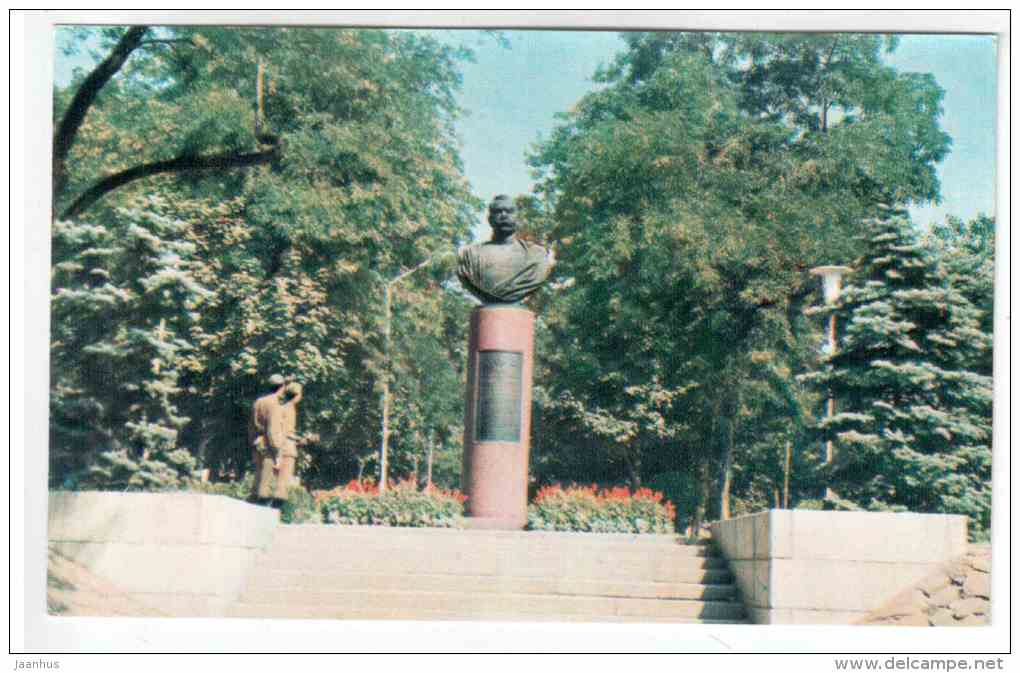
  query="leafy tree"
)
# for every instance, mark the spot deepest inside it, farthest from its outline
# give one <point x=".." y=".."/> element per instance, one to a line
<point x="427" y="362"/>
<point x="773" y="464"/>
<point x="98" y="104"/>
<point x="687" y="198"/>
<point x="351" y="174"/>
<point x="913" y="421"/>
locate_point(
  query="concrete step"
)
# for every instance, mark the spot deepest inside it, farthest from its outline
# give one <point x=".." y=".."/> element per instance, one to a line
<point x="339" y="575"/>
<point x="477" y="535"/>
<point x="327" y="539"/>
<point x="276" y="611"/>
<point x="270" y="587"/>
<point x="647" y="567"/>
<point x="369" y="572"/>
<point x="411" y="604"/>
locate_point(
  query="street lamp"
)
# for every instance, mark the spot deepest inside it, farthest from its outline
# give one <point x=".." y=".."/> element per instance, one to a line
<point x="832" y="277"/>
<point x="387" y="330"/>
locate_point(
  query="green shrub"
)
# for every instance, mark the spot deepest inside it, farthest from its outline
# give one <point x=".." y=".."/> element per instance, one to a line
<point x="240" y="490"/>
<point x="360" y="503"/>
<point x="834" y="503"/>
<point x="117" y="471"/>
<point x="299" y="507"/>
<point x="588" y="509"/>
<point x="680" y="488"/>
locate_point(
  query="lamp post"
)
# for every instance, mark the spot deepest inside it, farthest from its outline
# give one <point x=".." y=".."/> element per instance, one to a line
<point x="387" y="332"/>
<point x="832" y="277"/>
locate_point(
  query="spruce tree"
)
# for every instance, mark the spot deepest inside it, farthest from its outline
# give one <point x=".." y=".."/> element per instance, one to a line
<point x="966" y="254"/>
<point x="912" y="427"/>
<point x="124" y="306"/>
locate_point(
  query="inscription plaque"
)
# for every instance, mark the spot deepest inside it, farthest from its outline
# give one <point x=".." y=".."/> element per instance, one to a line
<point x="498" y="406"/>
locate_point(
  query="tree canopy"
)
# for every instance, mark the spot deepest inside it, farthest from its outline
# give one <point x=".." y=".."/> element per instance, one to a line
<point x="358" y="178"/>
<point x="688" y="197"/>
<point x="234" y="202"/>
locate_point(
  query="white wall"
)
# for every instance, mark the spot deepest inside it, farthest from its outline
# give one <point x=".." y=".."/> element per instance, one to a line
<point x="185" y="552"/>
<point x="815" y="567"/>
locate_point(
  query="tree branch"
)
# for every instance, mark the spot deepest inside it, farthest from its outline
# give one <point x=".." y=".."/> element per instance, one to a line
<point x="83" y="99"/>
<point x="832" y="50"/>
<point x="177" y="165"/>
<point x="825" y="94"/>
<point x="177" y="40"/>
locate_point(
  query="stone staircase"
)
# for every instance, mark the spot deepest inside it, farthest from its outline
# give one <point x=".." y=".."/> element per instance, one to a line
<point x="362" y="572"/>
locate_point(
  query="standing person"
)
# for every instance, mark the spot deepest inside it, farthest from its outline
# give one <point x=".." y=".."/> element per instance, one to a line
<point x="292" y="394"/>
<point x="267" y="435"/>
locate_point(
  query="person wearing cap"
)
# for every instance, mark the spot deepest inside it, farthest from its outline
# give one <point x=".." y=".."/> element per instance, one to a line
<point x="267" y="436"/>
<point x="287" y="457"/>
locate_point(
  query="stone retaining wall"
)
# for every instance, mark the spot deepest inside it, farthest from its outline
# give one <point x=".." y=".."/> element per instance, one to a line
<point x="814" y="567"/>
<point x="182" y="552"/>
<point x="957" y="594"/>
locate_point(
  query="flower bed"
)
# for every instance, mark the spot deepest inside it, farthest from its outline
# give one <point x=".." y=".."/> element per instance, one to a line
<point x="608" y="510"/>
<point x="361" y="503"/>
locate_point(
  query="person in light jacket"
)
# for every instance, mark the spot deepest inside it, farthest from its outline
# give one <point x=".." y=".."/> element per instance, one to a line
<point x="267" y="435"/>
<point x="288" y="454"/>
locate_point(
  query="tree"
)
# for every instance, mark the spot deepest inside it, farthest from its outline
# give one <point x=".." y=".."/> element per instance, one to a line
<point x="913" y="422"/>
<point x="358" y="178"/>
<point x="123" y="43"/>
<point x="124" y="310"/>
<point x="966" y="253"/>
<point x="687" y="198"/>
<point x="428" y="356"/>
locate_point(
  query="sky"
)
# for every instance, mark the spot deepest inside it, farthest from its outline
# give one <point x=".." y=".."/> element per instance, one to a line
<point x="511" y="97"/>
<point x="965" y="66"/>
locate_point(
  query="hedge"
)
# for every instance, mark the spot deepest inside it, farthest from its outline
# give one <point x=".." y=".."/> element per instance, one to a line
<point x="609" y="510"/>
<point x="361" y="503"/>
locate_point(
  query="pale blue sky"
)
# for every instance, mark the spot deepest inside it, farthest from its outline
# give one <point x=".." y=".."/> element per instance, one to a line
<point x="511" y="97"/>
<point x="965" y="66"/>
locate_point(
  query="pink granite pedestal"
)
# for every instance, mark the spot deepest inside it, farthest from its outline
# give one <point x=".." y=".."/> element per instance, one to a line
<point x="497" y="418"/>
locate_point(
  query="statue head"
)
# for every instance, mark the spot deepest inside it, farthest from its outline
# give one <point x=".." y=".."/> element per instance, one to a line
<point x="501" y="217"/>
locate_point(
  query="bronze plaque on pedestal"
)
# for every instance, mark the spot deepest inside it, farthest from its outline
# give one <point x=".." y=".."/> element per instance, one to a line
<point x="498" y="406"/>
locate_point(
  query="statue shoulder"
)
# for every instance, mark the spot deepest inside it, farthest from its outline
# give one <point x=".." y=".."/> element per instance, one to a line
<point x="531" y="246"/>
<point x="267" y="401"/>
<point x="537" y="251"/>
<point x="468" y="251"/>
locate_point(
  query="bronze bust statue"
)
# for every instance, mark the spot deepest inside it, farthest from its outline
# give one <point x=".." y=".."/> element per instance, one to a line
<point x="504" y="270"/>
